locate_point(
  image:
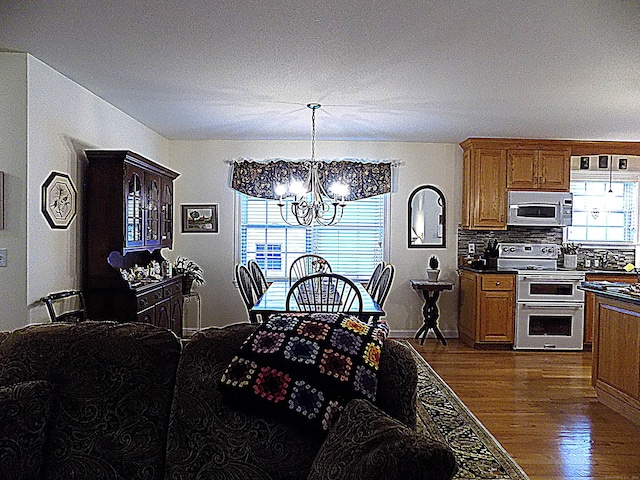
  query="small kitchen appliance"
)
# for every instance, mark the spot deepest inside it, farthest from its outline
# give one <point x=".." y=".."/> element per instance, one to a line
<point x="540" y="209"/>
<point x="549" y="305"/>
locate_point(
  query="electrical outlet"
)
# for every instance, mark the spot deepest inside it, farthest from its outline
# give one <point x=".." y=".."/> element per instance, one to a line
<point x="472" y="248"/>
<point x="3" y="257"/>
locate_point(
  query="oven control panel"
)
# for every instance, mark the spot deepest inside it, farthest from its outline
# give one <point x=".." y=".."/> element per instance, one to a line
<point x="528" y="250"/>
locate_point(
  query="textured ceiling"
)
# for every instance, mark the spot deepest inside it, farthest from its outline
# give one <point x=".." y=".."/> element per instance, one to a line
<point x="400" y="70"/>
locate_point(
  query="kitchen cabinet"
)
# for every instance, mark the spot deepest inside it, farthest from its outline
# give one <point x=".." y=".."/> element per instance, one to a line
<point x="545" y="170"/>
<point x="493" y="166"/>
<point x="128" y="215"/>
<point x="590" y="299"/>
<point x="484" y="194"/>
<point x="487" y="306"/>
<point x="616" y="354"/>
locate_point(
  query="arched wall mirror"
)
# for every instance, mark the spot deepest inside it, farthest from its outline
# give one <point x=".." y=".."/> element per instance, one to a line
<point x="427" y="218"/>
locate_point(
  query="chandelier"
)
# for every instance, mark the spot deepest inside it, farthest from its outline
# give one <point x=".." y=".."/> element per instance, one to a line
<point x="309" y="201"/>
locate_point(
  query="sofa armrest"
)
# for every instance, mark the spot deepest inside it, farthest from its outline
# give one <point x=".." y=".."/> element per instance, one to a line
<point x="367" y="443"/>
<point x="397" y="383"/>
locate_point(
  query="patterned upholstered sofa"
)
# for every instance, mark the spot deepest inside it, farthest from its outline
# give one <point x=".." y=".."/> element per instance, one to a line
<point x="101" y="400"/>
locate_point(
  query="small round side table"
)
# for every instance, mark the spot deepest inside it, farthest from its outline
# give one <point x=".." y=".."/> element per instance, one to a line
<point x="430" y="292"/>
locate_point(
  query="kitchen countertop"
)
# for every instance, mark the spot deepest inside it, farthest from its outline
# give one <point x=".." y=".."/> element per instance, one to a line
<point x="617" y="291"/>
<point x="607" y="272"/>
<point x="485" y="270"/>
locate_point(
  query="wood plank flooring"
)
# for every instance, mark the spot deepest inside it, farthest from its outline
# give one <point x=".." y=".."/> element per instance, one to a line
<point x="541" y="407"/>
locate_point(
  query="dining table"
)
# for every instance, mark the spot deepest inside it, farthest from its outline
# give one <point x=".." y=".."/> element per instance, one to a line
<point x="274" y="300"/>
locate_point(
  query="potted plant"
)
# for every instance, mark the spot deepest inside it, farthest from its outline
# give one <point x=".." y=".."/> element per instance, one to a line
<point x="191" y="273"/>
<point x="434" y="269"/>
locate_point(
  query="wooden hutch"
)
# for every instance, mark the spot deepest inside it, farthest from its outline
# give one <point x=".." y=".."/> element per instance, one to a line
<point x="128" y="218"/>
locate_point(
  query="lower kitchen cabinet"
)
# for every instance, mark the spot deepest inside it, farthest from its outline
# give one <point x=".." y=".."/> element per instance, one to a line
<point x="590" y="299"/>
<point x="486" y="309"/>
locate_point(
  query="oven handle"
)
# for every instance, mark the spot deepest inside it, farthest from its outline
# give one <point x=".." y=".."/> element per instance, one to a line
<point x="551" y="280"/>
<point x="542" y="306"/>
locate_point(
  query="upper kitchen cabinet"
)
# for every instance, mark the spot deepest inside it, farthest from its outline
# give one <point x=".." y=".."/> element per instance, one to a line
<point x="484" y="193"/>
<point x="129" y="203"/>
<point x="493" y="166"/>
<point x="546" y="170"/>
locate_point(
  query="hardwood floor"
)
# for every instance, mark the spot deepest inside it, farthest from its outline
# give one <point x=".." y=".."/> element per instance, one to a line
<point x="541" y="407"/>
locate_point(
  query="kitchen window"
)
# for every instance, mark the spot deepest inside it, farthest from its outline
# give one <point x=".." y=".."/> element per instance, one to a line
<point x="353" y="247"/>
<point x="601" y="216"/>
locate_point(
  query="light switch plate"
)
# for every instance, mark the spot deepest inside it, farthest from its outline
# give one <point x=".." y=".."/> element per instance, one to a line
<point x="472" y="248"/>
<point x="3" y="257"/>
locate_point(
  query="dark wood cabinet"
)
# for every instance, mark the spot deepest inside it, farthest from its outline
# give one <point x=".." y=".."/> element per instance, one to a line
<point x="128" y="219"/>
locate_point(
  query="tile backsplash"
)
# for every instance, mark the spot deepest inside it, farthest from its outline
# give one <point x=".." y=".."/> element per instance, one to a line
<point x="617" y="258"/>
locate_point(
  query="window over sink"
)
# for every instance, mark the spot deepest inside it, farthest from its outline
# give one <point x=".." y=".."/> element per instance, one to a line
<point x="604" y="211"/>
<point x="353" y="247"/>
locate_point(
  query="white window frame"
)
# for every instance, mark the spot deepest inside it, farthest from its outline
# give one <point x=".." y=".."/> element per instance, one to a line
<point x="578" y="176"/>
<point x="363" y="277"/>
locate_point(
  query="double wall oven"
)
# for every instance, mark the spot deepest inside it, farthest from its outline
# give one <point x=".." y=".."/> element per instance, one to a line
<point x="549" y="305"/>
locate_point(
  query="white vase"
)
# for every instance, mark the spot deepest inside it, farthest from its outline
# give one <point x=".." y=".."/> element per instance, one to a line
<point x="432" y="274"/>
<point x="570" y="261"/>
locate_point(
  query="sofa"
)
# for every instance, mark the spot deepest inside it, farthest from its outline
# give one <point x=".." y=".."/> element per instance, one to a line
<point x="106" y="400"/>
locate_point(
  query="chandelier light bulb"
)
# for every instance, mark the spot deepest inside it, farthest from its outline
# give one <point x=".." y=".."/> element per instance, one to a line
<point x="281" y="190"/>
<point x="296" y="187"/>
<point x="339" y="190"/>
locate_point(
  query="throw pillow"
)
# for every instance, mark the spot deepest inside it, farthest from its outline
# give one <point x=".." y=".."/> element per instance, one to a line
<point x="367" y="443"/>
<point x="306" y="367"/>
<point x="24" y="409"/>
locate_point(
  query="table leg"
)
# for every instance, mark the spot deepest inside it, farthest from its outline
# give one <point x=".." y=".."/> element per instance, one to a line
<point x="430" y="313"/>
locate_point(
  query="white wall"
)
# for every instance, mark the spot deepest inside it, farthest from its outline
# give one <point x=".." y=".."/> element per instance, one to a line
<point x="47" y="122"/>
<point x="13" y="145"/>
<point x="205" y="178"/>
<point x="55" y="121"/>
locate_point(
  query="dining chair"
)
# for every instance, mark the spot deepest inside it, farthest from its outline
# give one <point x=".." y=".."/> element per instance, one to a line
<point x="248" y="289"/>
<point x="375" y="276"/>
<point x="67" y="306"/>
<point x="258" y="277"/>
<point x="325" y="292"/>
<point x="382" y="288"/>
<point x="383" y="285"/>
<point x="308" y="265"/>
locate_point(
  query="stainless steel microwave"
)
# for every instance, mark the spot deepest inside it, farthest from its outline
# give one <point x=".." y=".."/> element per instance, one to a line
<point x="540" y="209"/>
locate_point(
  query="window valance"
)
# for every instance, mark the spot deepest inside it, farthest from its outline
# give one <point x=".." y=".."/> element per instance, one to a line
<point x="365" y="179"/>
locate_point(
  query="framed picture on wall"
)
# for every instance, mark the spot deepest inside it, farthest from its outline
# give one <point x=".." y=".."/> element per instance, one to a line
<point x="59" y="200"/>
<point x="200" y="218"/>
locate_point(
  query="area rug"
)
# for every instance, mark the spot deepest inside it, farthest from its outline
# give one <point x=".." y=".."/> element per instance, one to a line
<point x="442" y="415"/>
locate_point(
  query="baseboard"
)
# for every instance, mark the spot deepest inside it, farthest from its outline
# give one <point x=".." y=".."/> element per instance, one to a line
<point x="412" y="334"/>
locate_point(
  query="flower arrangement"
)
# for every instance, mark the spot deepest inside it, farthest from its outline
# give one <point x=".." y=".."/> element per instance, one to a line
<point x="319" y="265"/>
<point x="570" y="248"/>
<point x="434" y="263"/>
<point x="189" y="269"/>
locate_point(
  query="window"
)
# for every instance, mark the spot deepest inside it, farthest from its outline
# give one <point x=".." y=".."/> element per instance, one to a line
<point x="353" y="247"/>
<point x="600" y="216"/>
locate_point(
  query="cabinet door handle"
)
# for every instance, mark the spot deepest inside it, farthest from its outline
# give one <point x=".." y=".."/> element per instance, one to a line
<point x="497" y="284"/>
<point x="158" y="295"/>
<point x="143" y="302"/>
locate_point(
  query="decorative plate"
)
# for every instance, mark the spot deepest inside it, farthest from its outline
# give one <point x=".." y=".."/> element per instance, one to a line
<point x="59" y="200"/>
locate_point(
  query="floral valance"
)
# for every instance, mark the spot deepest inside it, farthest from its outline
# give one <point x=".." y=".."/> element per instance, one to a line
<point x="259" y="179"/>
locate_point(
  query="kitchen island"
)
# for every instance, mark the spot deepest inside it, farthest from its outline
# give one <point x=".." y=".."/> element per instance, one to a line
<point x="616" y="346"/>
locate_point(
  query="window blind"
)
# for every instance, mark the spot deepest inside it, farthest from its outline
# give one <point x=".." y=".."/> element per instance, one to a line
<point x="353" y="247"/>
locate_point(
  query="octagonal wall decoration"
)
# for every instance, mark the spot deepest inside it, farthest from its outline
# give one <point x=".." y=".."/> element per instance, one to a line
<point x="59" y="197"/>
